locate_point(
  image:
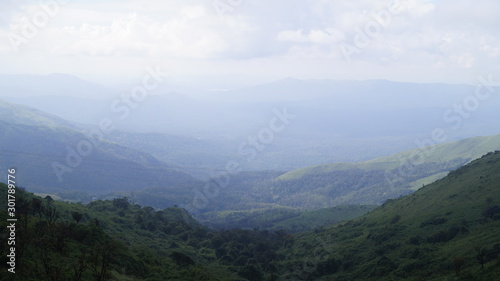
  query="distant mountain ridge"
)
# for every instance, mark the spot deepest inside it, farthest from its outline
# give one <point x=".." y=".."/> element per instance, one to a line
<point x="52" y="84"/>
<point x="337" y="120"/>
<point x="53" y="155"/>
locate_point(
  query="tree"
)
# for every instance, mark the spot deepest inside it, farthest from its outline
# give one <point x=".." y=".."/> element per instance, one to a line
<point x="481" y="253"/>
<point x="51" y="215"/>
<point x="459" y="264"/>
<point x="182" y="259"/>
<point x="101" y="257"/>
<point x="77" y="216"/>
<point x="121" y="203"/>
<point x="80" y="267"/>
<point x="36" y="206"/>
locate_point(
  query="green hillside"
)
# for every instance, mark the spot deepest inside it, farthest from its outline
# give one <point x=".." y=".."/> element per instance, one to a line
<point x="55" y="156"/>
<point x="471" y="148"/>
<point x="448" y="230"/>
<point x="374" y="181"/>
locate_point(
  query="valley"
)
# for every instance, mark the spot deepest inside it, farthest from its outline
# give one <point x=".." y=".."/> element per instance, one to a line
<point x="283" y="210"/>
<point x="448" y="229"/>
<point x="232" y="140"/>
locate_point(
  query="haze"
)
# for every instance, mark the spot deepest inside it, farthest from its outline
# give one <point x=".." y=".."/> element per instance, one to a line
<point x="228" y="44"/>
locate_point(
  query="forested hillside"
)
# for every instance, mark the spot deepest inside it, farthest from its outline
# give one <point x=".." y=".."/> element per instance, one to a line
<point x="445" y="231"/>
<point x="448" y="230"/>
<point x="116" y="240"/>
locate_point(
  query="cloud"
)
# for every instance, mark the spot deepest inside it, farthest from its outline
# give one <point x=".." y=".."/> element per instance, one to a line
<point x="424" y="34"/>
<point x="187" y="35"/>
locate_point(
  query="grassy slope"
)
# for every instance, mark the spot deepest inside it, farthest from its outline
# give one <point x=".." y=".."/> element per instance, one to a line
<point x="372" y="182"/>
<point x="434" y="234"/>
<point x="471" y="148"/>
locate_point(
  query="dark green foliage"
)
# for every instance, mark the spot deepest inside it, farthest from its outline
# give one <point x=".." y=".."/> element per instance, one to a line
<point x="77" y="217"/>
<point x="395" y="219"/>
<point x="444" y="231"/>
<point x="492" y="211"/>
<point x="121" y="203"/>
<point x="444" y="235"/>
<point x="434" y="221"/>
<point x="328" y="267"/>
<point x="251" y="273"/>
<point x="182" y="259"/>
<point x="111" y="240"/>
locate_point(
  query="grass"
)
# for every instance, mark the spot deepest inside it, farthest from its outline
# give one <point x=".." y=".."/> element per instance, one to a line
<point x="471" y="148"/>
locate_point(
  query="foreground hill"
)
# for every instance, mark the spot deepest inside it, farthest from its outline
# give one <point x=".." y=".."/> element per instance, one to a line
<point x="54" y="155"/>
<point x="445" y="231"/>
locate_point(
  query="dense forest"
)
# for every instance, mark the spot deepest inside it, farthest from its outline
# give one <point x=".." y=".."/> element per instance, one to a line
<point x="112" y="239"/>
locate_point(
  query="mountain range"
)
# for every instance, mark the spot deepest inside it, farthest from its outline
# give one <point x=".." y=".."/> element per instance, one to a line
<point x="76" y="162"/>
<point x="336" y="120"/>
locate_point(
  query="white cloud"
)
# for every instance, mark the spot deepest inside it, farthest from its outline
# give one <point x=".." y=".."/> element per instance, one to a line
<point x="424" y="34"/>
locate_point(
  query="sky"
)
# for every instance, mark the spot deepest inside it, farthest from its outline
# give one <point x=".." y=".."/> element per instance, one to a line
<point x="449" y="41"/>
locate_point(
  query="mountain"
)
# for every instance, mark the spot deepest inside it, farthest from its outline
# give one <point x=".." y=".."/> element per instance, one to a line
<point x="54" y="155"/>
<point x="51" y="85"/>
<point x="447" y="230"/>
<point x="374" y="181"/>
<point x="335" y="120"/>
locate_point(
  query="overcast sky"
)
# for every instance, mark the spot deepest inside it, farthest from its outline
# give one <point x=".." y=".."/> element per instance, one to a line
<point x="451" y="41"/>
